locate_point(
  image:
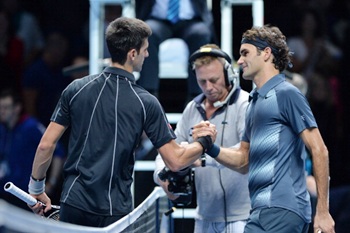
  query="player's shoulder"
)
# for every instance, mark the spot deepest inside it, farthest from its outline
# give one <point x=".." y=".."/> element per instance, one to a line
<point x="147" y="99"/>
<point x="288" y="94"/>
<point x="287" y="89"/>
<point x="78" y="84"/>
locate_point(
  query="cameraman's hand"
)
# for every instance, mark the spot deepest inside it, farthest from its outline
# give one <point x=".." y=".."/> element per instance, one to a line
<point x="164" y="185"/>
<point x="197" y="163"/>
<point x="204" y="128"/>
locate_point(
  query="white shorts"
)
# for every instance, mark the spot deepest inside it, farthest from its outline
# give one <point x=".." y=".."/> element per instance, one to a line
<point x="203" y="226"/>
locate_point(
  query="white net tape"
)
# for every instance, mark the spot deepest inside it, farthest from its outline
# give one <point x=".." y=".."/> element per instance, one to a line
<point x="144" y="218"/>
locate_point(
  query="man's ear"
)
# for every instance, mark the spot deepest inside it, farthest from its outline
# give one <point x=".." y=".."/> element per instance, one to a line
<point x="132" y="54"/>
<point x="268" y="53"/>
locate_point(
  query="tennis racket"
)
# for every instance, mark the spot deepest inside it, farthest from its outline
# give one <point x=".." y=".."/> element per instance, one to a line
<point x="53" y="214"/>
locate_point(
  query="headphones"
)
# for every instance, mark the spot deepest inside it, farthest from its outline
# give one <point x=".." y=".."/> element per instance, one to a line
<point x="231" y="76"/>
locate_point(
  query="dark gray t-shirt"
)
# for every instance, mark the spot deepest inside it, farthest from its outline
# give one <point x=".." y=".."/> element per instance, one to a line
<point x="107" y="114"/>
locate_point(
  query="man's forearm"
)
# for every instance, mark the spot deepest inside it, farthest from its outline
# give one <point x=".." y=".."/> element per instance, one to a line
<point x="233" y="158"/>
<point x="56" y="169"/>
<point x="321" y="174"/>
<point x="42" y="162"/>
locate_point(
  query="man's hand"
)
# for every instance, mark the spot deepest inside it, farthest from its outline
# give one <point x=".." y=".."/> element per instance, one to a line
<point x="202" y="129"/>
<point x="323" y="222"/>
<point x="197" y="163"/>
<point x="43" y="205"/>
<point x="164" y="185"/>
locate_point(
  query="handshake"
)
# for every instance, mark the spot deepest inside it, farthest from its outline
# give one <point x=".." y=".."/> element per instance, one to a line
<point x="205" y="135"/>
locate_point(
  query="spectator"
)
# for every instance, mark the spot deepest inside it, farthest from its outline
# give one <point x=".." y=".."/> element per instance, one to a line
<point x="20" y="135"/>
<point x="340" y="192"/>
<point x="194" y="25"/>
<point x="311" y="46"/>
<point x="44" y="81"/>
<point x="223" y="203"/>
<point x="27" y="29"/>
<point x="317" y="60"/>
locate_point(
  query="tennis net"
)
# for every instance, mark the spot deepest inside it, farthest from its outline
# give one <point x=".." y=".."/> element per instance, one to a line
<point x="145" y="218"/>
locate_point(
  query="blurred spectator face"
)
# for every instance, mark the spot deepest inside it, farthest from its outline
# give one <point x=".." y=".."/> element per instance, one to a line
<point x="309" y="23"/>
<point x="56" y="48"/>
<point x="8" y="110"/>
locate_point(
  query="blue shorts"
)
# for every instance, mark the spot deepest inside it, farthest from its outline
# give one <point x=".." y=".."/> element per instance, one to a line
<point x="275" y="220"/>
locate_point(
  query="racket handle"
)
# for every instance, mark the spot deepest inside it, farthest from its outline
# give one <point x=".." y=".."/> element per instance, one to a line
<point x="11" y="188"/>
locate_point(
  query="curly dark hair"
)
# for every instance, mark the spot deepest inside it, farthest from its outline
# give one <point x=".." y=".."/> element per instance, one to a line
<point x="276" y="40"/>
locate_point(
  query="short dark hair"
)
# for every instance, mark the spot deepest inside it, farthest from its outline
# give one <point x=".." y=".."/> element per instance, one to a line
<point x="16" y="97"/>
<point x="124" y="34"/>
<point x="273" y="38"/>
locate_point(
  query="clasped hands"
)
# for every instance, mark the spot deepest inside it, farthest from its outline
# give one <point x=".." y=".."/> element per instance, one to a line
<point x="202" y="129"/>
<point x="205" y="134"/>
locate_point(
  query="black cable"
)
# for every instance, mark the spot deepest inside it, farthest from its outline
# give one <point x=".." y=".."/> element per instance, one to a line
<point x="224" y="123"/>
<point x="225" y="207"/>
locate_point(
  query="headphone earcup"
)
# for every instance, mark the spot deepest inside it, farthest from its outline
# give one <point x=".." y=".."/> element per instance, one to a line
<point x="229" y="74"/>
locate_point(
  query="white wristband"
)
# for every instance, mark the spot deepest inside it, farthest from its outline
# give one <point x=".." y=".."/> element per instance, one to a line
<point x="36" y="187"/>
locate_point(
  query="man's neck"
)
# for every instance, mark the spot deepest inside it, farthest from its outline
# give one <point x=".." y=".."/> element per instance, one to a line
<point x="12" y="123"/>
<point x="263" y="78"/>
<point x="123" y="67"/>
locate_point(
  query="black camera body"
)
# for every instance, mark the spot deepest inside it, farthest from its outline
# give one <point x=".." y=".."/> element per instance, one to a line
<point x="180" y="183"/>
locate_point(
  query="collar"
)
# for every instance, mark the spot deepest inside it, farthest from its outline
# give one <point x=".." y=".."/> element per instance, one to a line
<point x="120" y="72"/>
<point x="273" y="82"/>
<point x="200" y="98"/>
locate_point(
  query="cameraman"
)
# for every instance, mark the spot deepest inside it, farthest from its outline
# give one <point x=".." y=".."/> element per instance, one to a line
<point x="223" y="202"/>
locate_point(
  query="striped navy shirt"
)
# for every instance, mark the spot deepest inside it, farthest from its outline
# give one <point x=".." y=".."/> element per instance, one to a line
<point x="107" y="114"/>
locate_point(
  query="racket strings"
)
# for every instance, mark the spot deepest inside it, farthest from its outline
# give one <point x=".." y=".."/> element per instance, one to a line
<point x="54" y="215"/>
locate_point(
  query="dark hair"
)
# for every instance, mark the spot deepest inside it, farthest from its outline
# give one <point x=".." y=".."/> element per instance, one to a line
<point x="16" y="97"/>
<point x="124" y="34"/>
<point x="275" y="40"/>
